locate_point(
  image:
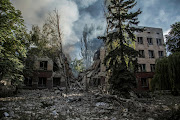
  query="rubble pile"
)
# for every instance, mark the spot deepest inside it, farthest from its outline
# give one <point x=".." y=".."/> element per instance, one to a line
<point x="77" y="105"/>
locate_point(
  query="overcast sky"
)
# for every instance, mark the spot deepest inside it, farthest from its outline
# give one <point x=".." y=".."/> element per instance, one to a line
<point x="76" y="13"/>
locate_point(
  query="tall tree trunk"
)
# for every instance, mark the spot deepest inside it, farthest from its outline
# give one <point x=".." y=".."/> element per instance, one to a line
<point x="63" y="62"/>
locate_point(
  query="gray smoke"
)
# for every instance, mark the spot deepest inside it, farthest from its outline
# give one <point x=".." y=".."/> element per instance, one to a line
<point x="76" y="13"/>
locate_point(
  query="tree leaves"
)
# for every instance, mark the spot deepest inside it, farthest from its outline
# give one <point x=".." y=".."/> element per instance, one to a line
<point x="173" y="38"/>
<point x="167" y="73"/>
<point x="13" y="39"/>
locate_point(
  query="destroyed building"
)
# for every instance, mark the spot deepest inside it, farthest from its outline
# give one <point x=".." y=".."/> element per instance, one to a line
<point x="96" y="74"/>
<point x="46" y="74"/>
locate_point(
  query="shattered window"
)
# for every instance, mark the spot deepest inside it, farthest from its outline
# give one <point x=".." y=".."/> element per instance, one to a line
<point x="42" y="82"/>
<point x="152" y="67"/>
<point x="150" y="41"/>
<point x="141" y="54"/>
<point x="140" y="40"/>
<point x="28" y="81"/>
<point x="142" y="67"/>
<point x="160" y="54"/>
<point x="55" y="67"/>
<point x="151" y="54"/>
<point x="43" y="65"/>
<point x="159" y="41"/>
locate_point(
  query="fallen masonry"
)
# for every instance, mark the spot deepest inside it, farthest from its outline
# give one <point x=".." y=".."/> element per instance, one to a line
<point x="78" y="105"/>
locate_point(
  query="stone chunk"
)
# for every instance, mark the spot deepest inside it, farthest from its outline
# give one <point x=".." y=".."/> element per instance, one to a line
<point x="6" y="114"/>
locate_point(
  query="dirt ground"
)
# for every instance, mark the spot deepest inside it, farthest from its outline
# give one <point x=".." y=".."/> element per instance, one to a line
<point x="77" y="105"/>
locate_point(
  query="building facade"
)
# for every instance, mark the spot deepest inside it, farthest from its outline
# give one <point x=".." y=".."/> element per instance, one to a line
<point x="46" y="74"/>
<point x="150" y="44"/>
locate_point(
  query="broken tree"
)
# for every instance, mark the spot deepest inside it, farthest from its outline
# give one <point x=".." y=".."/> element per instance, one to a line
<point x="53" y="24"/>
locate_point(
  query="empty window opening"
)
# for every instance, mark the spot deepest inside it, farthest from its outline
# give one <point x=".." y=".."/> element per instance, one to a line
<point x="160" y="54"/>
<point x="151" y="54"/>
<point x="28" y="81"/>
<point x="43" y="65"/>
<point x="42" y="82"/>
<point x="152" y="67"/>
<point x="141" y="54"/>
<point x="142" y="67"/>
<point x="140" y="40"/>
<point x="55" y="67"/>
<point x="150" y="41"/>
<point x="159" y="41"/>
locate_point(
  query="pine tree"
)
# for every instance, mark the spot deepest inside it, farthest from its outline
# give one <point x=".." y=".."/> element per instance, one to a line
<point x="121" y="57"/>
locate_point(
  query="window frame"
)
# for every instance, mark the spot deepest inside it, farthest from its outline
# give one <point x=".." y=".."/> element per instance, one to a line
<point x="159" y="41"/>
<point x="152" y="66"/>
<point x="42" y="81"/>
<point x="162" y="55"/>
<point x="28" y="81"/>
<point x="153" y="55"/>
<point x="142" y="67"/>
<point x="140" y="40"/>
<point x="141" y="55"/>
<point x="43" y="65"/>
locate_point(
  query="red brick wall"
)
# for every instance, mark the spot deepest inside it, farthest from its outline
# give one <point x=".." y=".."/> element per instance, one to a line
<point x="46" y="74"/>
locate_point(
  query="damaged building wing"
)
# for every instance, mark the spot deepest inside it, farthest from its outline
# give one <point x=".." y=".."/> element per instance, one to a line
<point x="46" y="74"/>
<point x="96" y="74"/>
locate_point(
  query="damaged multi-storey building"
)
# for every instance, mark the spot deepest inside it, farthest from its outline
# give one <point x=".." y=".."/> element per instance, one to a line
<point x="96" y="74"/>
<point x="149" y="43"/>
<point x="46" y="74"/>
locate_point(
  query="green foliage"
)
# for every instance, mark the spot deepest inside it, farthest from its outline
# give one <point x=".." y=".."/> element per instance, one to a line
<point x="78" y="65"/>
<point x="167" y="69"/>
<point x="173" y="70"/>
<point x="13" y="42"/>
<point x="161" y="77"/>
<point x="167" y="73"/>
<point x="45" y="42"/>
<point x="40" y="46"/>
<point x="39" y="42"/>
<point x="173" y="38"/>
<point x="121" y="58"/>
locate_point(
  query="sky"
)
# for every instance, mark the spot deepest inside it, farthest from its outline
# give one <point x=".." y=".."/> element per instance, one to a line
<point x="75" y="14"/>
